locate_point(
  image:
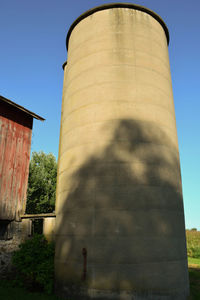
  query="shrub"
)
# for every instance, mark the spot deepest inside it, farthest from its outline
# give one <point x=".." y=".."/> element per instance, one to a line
<point x="193" y="243"/>
<point x="34" y="264"/>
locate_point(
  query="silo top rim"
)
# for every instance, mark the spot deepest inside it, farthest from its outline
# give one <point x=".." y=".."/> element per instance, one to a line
<point x="117" y="5"/>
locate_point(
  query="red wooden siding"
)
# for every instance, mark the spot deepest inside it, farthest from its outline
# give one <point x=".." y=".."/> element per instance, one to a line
<point x="15" y="144"/>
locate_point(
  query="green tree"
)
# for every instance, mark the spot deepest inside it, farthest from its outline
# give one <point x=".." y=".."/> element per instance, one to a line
<point x="41" y="191"/>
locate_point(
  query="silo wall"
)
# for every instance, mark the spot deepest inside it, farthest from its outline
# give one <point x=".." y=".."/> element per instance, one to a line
<point x="120" y="230"/>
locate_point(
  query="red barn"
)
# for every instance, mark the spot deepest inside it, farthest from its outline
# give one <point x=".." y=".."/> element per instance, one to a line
<point x="15" y="145"/>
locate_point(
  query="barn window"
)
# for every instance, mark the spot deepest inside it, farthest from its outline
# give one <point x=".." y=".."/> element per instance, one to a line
<point x="6" y="230"/>
<point x="37" y="226"/>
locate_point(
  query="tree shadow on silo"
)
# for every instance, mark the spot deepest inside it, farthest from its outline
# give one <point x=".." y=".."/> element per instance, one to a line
<point x="126" y="210"/>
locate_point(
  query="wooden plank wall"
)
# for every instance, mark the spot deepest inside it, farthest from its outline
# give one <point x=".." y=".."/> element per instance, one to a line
<point x="15" y="145"/>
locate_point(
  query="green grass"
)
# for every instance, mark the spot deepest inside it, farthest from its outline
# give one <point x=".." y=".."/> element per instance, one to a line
<point x="193" y="251"/>
<point x="194" y="261"/>
<point x="193" y="245"/>
<point x="194" y="276"/>
<point x="11" y="293"/>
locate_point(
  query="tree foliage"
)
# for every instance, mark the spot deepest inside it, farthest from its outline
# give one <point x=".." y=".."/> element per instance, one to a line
<point x="41" y="191"/>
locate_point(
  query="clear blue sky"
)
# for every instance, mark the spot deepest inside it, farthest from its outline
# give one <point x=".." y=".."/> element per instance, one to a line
<point x="32" y="51"/>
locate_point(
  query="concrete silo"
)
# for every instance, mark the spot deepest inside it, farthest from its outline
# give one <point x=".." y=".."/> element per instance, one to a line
<point x="120" y="230"/>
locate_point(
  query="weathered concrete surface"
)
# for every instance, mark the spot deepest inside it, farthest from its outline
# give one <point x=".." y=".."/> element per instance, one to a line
<point x="119" y="191"/>
<point x="49" y="228"/>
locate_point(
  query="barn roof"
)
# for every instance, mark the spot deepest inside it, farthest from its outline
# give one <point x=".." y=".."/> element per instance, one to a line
<point x="21" y="108"/>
